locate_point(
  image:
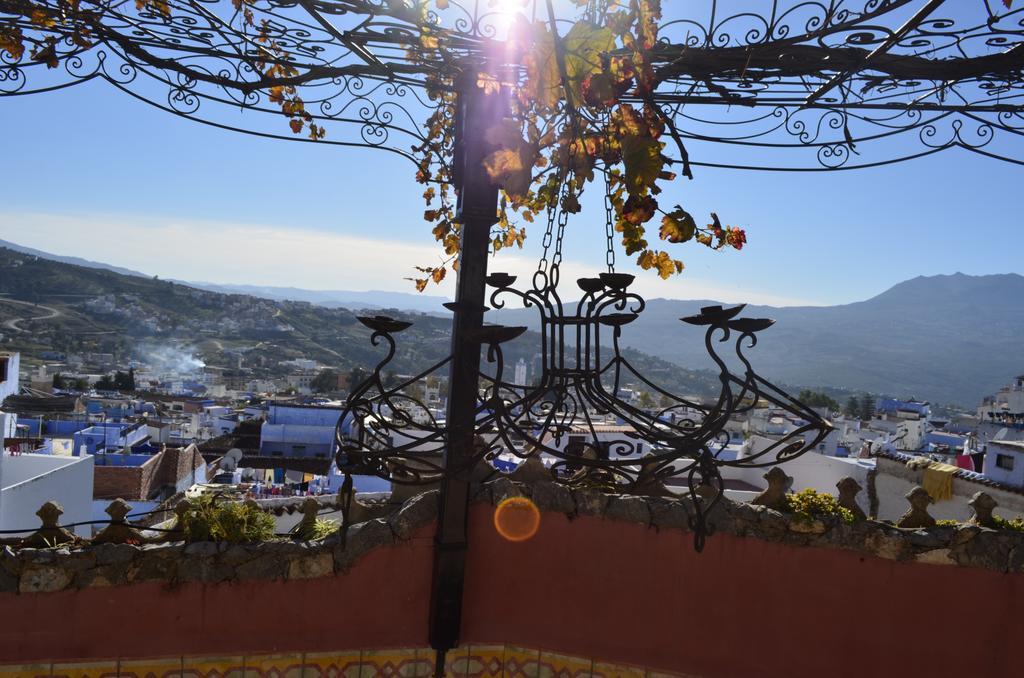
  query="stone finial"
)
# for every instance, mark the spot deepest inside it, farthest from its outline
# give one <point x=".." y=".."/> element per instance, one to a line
<point x="50" y="534"/>
<point x="177" y="531"/>
<point x="532" y="470"/>
<point x="918" y="515"/>
<point x="307" y="526"/>
<point x="648" y="483"/>
<point x="983" y="505"/>
<point x="848" y="491"/>
<point x="774" y="496"/>
<point x="118" y="531"/>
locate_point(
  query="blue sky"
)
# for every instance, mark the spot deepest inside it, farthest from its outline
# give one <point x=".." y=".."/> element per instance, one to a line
<point x="92" y="172"/>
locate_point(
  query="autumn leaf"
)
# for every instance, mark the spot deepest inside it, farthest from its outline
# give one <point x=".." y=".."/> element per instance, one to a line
<point x="12" y="41"/>
<point x="677" y="226"/>
<point x="488" y="83"/>
<point x="642" y="159"/>
<point x="665" y="265"/>
<point x="41" y="18"/>
<point x="639" y="209"/>
<point x="511" y="165"/>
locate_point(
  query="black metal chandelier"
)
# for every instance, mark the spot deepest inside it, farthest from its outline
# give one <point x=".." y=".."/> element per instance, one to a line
<point x="563" y="417"/>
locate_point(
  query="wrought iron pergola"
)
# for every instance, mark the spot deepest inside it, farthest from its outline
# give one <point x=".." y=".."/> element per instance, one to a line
<point x="779" y="85"/>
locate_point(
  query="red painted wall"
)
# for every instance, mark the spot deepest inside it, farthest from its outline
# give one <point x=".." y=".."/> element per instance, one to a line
<point x="588" y="588"/>
<point x="380" y="603"/>
<point x="744" y="607"/>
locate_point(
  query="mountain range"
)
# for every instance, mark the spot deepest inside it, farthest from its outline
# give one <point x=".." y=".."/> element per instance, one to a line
<point x="47" y="305"/>
<point x="945" y="338"/>
<point x="372" y="299"/>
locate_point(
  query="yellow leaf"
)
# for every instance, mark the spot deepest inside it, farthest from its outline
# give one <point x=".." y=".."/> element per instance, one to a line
<point x="677" y="226"/>
<point x="642" y="159"/>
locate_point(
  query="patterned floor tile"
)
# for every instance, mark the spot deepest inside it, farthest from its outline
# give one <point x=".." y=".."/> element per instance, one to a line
<point x="521" y="662"/>
<point x="486" y="661"/>
<point x="389" y="664"/>
<point x="105" y="669"/>
<point x="273" y="665"/>
<point x="607" y="670"/>
<point x="457" y="663"/>
<point x="169" y="667"/>
<point x="213" y="667"/>
<point x="556" y="665"/>
<point x="331" y="665"/>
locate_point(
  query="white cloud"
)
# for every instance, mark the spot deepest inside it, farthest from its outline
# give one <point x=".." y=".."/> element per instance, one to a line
<point x="259" y="254"/>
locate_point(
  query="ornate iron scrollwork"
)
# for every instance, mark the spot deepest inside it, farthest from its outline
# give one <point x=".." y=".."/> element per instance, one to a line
<point x="575" y="419"/>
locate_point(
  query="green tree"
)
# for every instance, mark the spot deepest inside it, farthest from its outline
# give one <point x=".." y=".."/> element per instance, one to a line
<point x="818" y="399"/>
<point x="357" y="376"/>
<point x="58" y="380"/>
<point x="124" y="381"/>
<point x="867" y="406"/>
<point x="852" y="408"/>
<point x="106" y="383"/>
<point x="326" y="381"/>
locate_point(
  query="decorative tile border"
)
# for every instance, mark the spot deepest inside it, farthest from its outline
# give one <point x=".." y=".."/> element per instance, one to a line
<point x="475" y="661"/>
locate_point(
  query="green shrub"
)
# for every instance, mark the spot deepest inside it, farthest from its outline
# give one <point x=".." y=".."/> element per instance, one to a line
<point x="809" y="504"/>
<point x="947" y="523"/>
<point x="211" y="520"/>
<point x="1016" y="524"/>
<point x="323" y="528"/>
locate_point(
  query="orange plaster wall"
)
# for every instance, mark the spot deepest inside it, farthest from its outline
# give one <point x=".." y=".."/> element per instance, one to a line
<point x="587" y="587"/>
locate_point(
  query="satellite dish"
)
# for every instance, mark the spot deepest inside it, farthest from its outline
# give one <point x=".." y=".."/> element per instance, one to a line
<point x="229" y="462"/>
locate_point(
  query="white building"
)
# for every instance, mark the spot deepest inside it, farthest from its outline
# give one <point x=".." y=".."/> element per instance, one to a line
<point x="27" y="481"/>
<point x="10" y="363"/>
<point x="1004" y="462"/>
<point x="520" y="377"/>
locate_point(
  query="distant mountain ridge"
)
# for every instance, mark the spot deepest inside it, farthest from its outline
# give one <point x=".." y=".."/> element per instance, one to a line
<point x="946" y="338"/>
<point x="47" y="305"/>
<point x="74" y="261"/>
<point x="373" y="299"/>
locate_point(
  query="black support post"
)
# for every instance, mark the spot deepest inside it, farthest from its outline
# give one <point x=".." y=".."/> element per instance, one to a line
<point x="477" y="110"/>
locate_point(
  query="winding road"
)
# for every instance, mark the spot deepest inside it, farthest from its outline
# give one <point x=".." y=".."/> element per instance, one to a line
<point x="13" y="323"/>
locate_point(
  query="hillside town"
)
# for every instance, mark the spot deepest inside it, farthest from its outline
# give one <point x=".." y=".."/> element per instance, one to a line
<point x="154" y="433"/>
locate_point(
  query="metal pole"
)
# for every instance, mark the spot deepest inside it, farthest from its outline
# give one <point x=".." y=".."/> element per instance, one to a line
<point x="476" y="111"/>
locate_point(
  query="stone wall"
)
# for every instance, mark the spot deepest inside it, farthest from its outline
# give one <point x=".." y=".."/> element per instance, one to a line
<point x="29" y="570"/>
<point x="607" y="578"/>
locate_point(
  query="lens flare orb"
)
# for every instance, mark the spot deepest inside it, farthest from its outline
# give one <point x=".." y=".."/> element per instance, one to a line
<point x="517" y="519"/>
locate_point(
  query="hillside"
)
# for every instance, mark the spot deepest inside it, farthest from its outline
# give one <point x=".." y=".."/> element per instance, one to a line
<point x="948" y="338"/>
<point x="48" y="305"/>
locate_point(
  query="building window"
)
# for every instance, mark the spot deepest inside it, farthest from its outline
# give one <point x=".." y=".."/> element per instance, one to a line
<point x="1004" y="461"/>
<point x="3" y="368"/>
<point x="298" y="448"/>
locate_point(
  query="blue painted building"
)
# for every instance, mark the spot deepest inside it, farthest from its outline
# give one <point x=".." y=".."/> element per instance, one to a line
<point x="299" y="431"/>
<point x="109" y="437"/>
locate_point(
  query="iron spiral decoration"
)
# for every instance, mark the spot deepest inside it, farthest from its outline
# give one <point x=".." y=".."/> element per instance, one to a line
<point x="799" y="85"/>
<point x="575" y="419"/>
